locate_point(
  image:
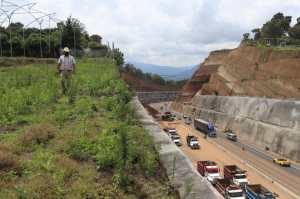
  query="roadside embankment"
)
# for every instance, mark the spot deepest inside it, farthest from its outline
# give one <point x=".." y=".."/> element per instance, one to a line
<point x="179" y="168"/>
<point x="264" y="122"/>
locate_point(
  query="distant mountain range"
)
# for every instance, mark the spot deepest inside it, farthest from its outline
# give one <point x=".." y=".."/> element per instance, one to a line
<point x="167" y="72"/>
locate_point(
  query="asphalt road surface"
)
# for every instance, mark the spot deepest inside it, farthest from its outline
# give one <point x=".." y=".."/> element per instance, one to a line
<point x="224" y="152"/>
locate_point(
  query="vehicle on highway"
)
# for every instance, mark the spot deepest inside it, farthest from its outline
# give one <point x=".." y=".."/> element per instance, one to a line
<point x="188" y="120"/>
<point x="231" y="136"/>
<point x="176" y="140"/>
<point x="192" y="142"/>
<point x="236" y="175"/>
<point x="205" y="127"/>
<point x="210" y="170"/>
<point x="167" y="116"/>
<point x="229" y="190"/>
<point x="257" y="191"/>
<point x="282" y="162"/>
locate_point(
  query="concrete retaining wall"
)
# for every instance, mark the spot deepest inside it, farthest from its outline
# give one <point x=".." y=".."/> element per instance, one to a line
<point x="155" y="97"/>
<point x="264" y="122"/>
<point x="182" y="174"/>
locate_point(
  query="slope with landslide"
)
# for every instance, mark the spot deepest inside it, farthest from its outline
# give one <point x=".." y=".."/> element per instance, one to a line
<point x="247" y="71"/>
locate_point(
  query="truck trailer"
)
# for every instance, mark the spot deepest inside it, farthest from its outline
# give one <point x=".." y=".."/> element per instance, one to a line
<point x="229" y="190"/>
<point x="236" y="175"/>
<point x="205" y="127"/>
<point x="257" y="191"/>
<point x="209" y="169"/>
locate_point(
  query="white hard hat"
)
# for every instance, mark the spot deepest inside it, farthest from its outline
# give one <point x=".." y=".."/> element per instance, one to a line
<point x="66" y="49"/>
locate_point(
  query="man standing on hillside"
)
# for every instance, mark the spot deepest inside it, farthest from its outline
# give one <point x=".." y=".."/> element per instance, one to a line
<point x="66" y="68"/>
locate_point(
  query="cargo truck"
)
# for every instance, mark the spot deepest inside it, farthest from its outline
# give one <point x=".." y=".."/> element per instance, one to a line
<point x="192" y="142"/>
<point x="209" y="169"/>
<point x="236" y="175"/>
<point x="229" y="190"/>
<point x="258" y="191"/>
<point x="167" y="116"/>
<point x="205" y="127"/>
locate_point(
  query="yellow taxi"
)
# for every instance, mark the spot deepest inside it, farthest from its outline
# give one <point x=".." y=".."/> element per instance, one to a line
<point x="282" y="162"/>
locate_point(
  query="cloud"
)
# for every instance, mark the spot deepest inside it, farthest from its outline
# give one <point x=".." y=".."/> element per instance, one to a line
<point x="171" y="32"/>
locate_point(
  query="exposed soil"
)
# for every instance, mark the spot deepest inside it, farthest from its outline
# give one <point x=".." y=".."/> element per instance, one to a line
<point x="247" y="71"/>
<point x="138" y="84"/>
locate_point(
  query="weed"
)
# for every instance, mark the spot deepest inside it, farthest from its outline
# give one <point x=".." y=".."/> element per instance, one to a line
<point x="9" y="162"/>
<point x="39" y="134"/>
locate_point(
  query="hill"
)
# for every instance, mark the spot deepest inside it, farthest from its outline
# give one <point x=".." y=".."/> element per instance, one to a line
<point x="167" y="72"/>
<point x="87" y="144"/>
<point x="248" y="70"/>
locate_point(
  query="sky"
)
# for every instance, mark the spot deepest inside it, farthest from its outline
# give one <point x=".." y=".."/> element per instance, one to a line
<point x="170" y="32"/>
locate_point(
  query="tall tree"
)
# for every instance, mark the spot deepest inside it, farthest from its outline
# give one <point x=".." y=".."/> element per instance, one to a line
<point x="294" y="32"/>
<point x="277" y="27"/>
<point x="72" y="31"/>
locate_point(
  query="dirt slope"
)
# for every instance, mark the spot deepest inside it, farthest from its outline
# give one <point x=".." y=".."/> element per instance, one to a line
<point x="139" y="84"/>
<point x="247" y="71"/>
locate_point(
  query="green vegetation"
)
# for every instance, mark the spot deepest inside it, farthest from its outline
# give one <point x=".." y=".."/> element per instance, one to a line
<point x="130" y="68"/>
<point x="28" y="39"/>
<point x="87" y="144"/>
<point x="276" y="32"/>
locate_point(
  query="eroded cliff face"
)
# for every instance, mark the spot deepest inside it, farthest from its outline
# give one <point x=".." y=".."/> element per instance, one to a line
<point x="215" y="94"/>
<point x="247" y="71"/>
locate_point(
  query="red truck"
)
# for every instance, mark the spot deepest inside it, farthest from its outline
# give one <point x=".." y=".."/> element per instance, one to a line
<point x="209" y="169"/>
<point x="236" y="175"/>
<point x="229" y="190"/>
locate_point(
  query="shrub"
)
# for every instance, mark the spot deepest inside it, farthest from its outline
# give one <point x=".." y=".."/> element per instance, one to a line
<point x="9" y="162"/>
<point x="80" y="149"/>
<point x="43" y="186"/>
<point x="39" y="134"/>
<point x="68" y="166"/>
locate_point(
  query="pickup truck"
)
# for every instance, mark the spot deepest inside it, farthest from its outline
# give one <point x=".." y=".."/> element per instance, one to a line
<point x="176" y="140"/>
<point x="257" y="191"/>
<point x="229" y="190"/>
<point x="192" y="142"/>
<point x="188" y="120"/>
<point x="236" y="175"/>
<point x="209" y="169"/>
<point x="231" y="136"/>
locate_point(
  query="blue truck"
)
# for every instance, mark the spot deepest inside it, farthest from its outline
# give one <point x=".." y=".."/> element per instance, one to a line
<point x="205" y="127"/>
<point x="257" y="191"/>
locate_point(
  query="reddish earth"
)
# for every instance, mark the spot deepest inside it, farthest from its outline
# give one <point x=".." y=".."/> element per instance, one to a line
<point x="139" y="84"/>
<point x="247" y="71"/>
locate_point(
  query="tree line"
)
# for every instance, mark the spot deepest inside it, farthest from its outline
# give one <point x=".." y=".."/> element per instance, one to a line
<point x="33" y="42"/>
<point x="278" y="30"/>
<point x="130" y="68"/>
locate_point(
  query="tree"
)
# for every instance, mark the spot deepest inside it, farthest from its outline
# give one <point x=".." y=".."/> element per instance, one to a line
<point x="246" y="37"/>
<point x="118" y="56"/>
<point x="257" y="34"/>
<point x="277" y="27"/>
<point x="294" y="32"/>
<point x="72" y="31"/>
<point x="96" y="38"/>
<point x="32" y="45"/>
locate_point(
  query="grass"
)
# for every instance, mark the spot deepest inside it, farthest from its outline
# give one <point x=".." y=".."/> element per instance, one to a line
<point x="87" y="144"/>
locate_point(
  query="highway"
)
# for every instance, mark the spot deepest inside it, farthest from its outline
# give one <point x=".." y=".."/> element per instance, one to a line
<point x="261" y="170"/>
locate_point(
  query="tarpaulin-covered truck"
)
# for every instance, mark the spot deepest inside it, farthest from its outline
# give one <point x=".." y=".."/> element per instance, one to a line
<point x="257" y="191"/>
